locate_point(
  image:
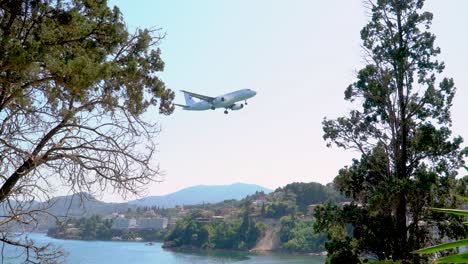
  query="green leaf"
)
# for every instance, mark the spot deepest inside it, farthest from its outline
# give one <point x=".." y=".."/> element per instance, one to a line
<point x="459" y="258"/>
<point x="451" y="211"/>
<point x="465" y="223"/>
<point x="462" y="197"/>
<point x="459" y="243"/>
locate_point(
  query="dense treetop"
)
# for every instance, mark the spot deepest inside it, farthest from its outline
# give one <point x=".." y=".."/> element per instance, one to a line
<point x="74" y="83"/>
<point x="401" y="127"/>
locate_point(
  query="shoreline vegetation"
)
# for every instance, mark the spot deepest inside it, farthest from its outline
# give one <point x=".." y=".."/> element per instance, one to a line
<point x="198" y="249"/>
<point x="285" y="238"/>
<point x="97" y="228"/>
<point x="103" y="240"/>
<point x="279" y="222"/>
<point x="261" y="252"/>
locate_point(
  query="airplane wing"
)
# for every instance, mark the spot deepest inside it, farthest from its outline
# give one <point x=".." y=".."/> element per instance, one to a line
<point x="199" y="96"/>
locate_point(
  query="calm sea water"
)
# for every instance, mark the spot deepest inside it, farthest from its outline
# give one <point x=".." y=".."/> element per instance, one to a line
<point x="97" y="252"/>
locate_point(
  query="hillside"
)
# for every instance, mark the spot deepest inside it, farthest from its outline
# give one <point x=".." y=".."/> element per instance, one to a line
<point x="202" y="194"/>
<point x="85" y="205"/>
<point x="280" y="220"/>
<point x="82" y="205"/>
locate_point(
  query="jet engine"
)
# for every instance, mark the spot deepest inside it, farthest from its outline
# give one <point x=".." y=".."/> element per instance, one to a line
<point x="237" y="107"/>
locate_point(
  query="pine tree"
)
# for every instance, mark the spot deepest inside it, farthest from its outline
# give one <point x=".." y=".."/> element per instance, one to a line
<point x="401" y="128"/>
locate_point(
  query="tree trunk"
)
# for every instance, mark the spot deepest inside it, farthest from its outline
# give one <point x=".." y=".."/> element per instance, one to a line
<point x="401" y="249"/>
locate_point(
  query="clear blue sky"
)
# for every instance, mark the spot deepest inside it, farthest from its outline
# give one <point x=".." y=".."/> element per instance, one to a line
<point x="299" y="55"/>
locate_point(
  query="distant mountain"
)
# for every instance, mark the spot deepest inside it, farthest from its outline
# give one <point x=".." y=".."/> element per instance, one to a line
<point x="85" y="205"/>
<point x="201" y="194"/>
<point x="82" y="204"/>
<point x="76" y="206"/>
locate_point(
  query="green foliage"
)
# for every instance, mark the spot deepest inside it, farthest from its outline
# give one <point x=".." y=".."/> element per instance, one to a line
<point x="92" y="228"/>
<point x="74" y="84"/>
<point x="305" y="194"/>
<point x="298" y="235"/>
<point x="458" y="243"/>
<point x="296" y="197"/>
<point x="97" y="228"/>
<point x="262" y="210"/>
<point x="237" y="234"/>
<point x="342" y="251"/>
<point x="459" y="258"/>
<point x="78" y="82"/>
<point x="279" y="209"/>
<point x="450" y="211"/>
<point x="290" y="199"/>
<point x="401" y="128"/>
<point x="386" y="262"/>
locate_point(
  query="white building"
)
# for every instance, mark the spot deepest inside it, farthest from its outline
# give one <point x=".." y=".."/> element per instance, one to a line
<point x="152" y="223"/>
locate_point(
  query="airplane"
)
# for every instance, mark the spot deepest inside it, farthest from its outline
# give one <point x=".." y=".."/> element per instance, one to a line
<point x="226" y="101"/>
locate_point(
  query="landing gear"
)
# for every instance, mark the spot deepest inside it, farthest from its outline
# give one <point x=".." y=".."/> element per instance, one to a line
<point x="226" y="112"/>
<point x="246" y="102"/>
<point x="212" y="107"/>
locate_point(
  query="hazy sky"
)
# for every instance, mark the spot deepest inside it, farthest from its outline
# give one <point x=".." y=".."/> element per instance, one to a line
<point x="299" y="55"/>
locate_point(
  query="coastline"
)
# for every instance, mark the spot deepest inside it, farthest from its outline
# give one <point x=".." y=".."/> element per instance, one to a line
<point x="193" y="249"/>
<point x="101" y="252"/>
<point x="249" y="251"/>
<point x="100" y="240"/>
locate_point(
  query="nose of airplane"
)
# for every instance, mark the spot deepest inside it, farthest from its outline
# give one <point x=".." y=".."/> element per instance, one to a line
<point x="254" y="93"/>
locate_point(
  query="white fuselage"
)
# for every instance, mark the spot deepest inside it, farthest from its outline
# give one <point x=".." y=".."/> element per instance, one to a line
<point x="224" y="101"/>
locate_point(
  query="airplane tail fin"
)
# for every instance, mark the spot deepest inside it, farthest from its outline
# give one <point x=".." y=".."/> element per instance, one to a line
<point x="188" y="99"/>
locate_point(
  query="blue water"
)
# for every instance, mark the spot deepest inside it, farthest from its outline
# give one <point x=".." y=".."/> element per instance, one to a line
<point x="98" y="252"/>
